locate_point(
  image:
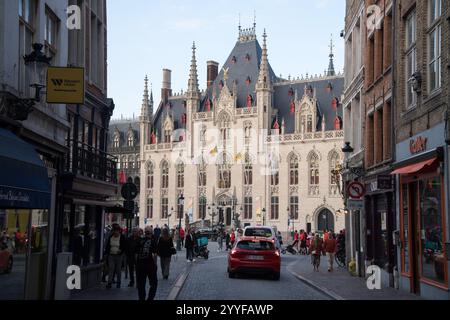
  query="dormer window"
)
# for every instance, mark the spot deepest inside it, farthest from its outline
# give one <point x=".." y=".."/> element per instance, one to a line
<point x="291" y="92"/>
<point x="116" y="141"/>
<point x="249" y="101"/>
<point x="208" y="105"/>
<point x="130" y="141"/>
<point x="329" y="87"/>
<point x="247" y="57"/>
<point x="335" y="103"/>
<point x="233" y="60"/>
<point x="184" y="118"/>
<point x="248" y="81"/>
<point x="338" y="123"/>
<point x="292" y="107"/>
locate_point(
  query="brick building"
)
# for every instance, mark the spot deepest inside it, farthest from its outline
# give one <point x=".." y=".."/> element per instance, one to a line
<point x="422" y="166"/>
<point x="378" y="100"/>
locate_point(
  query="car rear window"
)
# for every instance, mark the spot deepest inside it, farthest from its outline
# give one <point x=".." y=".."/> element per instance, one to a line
<point x="255" y="245"/>
<point x="258" y="232"/>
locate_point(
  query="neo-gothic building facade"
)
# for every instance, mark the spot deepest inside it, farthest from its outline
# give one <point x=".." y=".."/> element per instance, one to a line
<point x="252" y="148"/>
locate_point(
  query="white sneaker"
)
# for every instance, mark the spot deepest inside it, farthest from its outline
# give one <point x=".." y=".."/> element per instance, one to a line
<point x="188" y="261"/>
<point x="193" y="260"/>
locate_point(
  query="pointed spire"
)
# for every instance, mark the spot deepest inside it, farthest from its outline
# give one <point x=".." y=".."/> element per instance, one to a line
<point x="193" y="76"/>
<point x="145" y="100"/>
<point x="264" y="76"/>
<point x="331" y="71"/>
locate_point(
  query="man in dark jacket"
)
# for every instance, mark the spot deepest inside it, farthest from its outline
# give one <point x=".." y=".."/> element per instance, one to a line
<point x="146" y="266"/>
<point x="114" y="251"/>
<point x="133" y="241"/>
<point x="189" y="245"/>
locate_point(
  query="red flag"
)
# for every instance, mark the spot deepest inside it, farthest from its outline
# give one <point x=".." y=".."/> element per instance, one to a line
<point x="122" y="177"/>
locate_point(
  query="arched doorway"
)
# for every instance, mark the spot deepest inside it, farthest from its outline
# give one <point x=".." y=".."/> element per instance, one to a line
<point x="325" y="220"/>
<point x="224" y="209"/>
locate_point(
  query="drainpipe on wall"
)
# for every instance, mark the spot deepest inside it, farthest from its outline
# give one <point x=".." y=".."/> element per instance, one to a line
<point x="395" y="205"/>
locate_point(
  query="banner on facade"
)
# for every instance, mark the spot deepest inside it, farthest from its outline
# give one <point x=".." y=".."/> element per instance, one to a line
<point x="65" y="85"/>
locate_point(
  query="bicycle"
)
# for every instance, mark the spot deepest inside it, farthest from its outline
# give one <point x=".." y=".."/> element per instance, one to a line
<point x="340" y="258"/>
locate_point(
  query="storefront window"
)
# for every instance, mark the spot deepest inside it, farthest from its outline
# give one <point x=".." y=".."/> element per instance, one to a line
<point x="405" y="237"/>
<point x="431" y="233"/>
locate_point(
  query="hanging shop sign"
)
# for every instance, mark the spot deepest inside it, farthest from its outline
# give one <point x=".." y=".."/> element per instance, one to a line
<point x="65" y="85"/>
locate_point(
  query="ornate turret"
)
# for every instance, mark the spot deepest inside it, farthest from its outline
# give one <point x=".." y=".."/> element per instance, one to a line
<point x="193" y="89"/>
<point x="331" y="71"/>
<point x="264" y="81"/>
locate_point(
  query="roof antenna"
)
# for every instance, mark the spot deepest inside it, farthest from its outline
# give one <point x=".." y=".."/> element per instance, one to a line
<point x="240" y="21"/>
<point x="254" y="19"/>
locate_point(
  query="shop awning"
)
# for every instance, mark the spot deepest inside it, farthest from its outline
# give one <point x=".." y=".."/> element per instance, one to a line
<point x="416" y="167"/>
<point x="24" y="182"/>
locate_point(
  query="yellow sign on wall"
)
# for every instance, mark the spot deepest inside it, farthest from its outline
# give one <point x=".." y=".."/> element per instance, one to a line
<point x="65" y="85"/>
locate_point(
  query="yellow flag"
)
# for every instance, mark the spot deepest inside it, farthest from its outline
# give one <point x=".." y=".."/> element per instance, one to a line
<point x="238" y="157"/>
<point x="214" y="151"/>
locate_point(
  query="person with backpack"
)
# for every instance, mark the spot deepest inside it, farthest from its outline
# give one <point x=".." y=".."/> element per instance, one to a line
<point x="165" y="251"/>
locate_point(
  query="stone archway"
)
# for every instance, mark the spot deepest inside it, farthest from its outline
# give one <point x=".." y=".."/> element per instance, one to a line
<point x="325" y="220"/>
<point x="224" y="209"/>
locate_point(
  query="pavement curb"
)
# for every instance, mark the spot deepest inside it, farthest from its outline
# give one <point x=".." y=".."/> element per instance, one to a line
<point x="178" y="285"/>
<point x="325" y="291"/>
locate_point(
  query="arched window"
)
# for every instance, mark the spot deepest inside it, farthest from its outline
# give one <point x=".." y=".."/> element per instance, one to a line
<point x="293" y="170"/>
<point x="248" y="171"/>
<point x="131" y="162"/>
<point x="137" y="182"/>
<point x="224" y="172"/>
<point x="165" y="175"/>
<point x="202" y="208"/>
<point x="180" y="175"/>
<point x="150" y="174"/>
<point x="338" y="123"/>
<point x="334" y="163"/>
<point x="309" y="124"/>
<point x="248" y="208"/>
<point x="138" y="162"/>
<point x="130" y="140"/>
<point x="124" y="162"/>
<point x="314" y="174"/>
<point x="116" y="142"/>
<point x="202" y="174"/>
<point x="274" y="171"/>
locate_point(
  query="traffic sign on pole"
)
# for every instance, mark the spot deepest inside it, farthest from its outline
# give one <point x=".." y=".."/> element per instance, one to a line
<point x="356" y="190"/>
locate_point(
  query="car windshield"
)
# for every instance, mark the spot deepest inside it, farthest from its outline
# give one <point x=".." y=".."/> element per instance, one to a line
<point x="258" y="232"/>
<point x="255" y="245"/>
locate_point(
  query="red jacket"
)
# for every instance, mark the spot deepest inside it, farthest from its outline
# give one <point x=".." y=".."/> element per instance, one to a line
<point x="318" y="249"/>
<point x="329" y="246"/>
<point x="182" y="233"/>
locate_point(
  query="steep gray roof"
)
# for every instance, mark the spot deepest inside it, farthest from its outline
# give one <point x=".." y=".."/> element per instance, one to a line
<point x="123" y="127"/>
<point x="282" y="100"/>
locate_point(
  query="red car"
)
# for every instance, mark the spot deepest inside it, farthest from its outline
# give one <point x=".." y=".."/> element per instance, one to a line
<point x="254" y="255"/>
<point x="6" y="259"/>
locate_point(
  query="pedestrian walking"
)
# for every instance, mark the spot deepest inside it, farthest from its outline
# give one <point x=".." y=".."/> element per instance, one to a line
<point x="316" y="249"/>
<point x="157" y="233"/>
<point x="146" y="266"/>
<point x="296" y="237"/>
<point x="228" y="240"/>
<point x="220" y="241"/>
<point x="133" y="242"/>
<point x="329" y="247"/>
<point x="303" y="246"/>
<point x="232" y="238"/>
<point x="182" y="236"/>
<point x="165" y="251"/>
<point x="190" y="244"/>
<point x="115" y="249"/>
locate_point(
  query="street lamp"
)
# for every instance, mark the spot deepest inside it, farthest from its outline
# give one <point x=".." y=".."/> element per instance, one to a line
<point x="168" y="218"/>
<point x="180" y="214"/>
<point x="36" y="64"/>
<point x="264" y="216"/>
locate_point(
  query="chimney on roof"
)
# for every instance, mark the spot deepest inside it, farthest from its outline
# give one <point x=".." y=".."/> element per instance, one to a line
<point x="212" y="72"/>
<point x="166" y="89"/>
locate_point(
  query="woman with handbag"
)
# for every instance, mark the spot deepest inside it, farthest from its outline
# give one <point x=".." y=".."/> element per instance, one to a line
<point x="165" y="251"/>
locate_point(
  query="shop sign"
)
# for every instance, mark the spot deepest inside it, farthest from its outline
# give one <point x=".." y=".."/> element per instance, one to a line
<point x="355" y="204"/>
<point x="65" y="85"/>
<point x="14" y="196"/>
<point x="384" y="182"/>
<point x="418" y="145"/>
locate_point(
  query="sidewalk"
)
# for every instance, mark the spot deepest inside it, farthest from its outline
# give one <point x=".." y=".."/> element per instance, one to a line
<point x="340" y="285"/>
<point x="178" y="267"/>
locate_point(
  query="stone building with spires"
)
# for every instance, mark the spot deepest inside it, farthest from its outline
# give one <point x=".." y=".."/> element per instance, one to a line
<point x="251" y="148"/>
